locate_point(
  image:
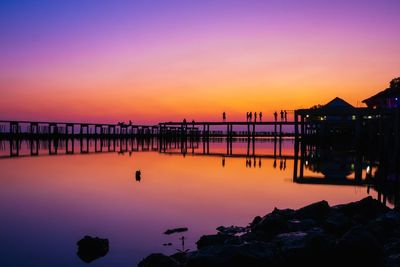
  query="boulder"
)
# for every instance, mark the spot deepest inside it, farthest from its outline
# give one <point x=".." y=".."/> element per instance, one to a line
<point x="364" y="210"/>
<point x="337" y="223"/>
<point x="316" y="211"/>
<point x="286" y="213"/>
<point x="385" y="226"/>
<point x="212" y="240"/>
<point x="256" y="254"/>
<point x="270" y="226"/>
<point x="300" y="225"/>
<point x="158" y="260"/>
<point x="359" y="247"/>
<point x="91" y="248"/>
<point x="309" y="248"/>
<point x="255" y="221"/>
<point x="232" y="230"/>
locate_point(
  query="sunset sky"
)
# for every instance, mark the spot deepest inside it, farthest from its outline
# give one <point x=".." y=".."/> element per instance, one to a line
<point x="151" y="61"/>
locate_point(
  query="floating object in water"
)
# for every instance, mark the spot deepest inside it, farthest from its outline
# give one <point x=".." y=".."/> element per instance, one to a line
<point x="138" y="175"/>
<point x="175" y="230"/>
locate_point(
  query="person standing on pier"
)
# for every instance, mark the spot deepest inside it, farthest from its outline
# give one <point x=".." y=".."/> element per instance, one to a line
<point x="260" y="116"/>
<point x="255" y="116"/>
<point x="282" y="115"/>
<point x="223" y="116"/>
<point x="285" y="116"/>
<point x="250" y="116"/>
<point x="276" y="116"/>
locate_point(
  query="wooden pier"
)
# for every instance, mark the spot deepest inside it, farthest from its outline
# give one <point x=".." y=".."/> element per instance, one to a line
<point x="204" y="129"/>
<point x="228" y="129"/>
<point x="45" y="129"/>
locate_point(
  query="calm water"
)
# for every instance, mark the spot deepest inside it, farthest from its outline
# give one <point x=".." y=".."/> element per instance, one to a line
<point x="48" y="203"/>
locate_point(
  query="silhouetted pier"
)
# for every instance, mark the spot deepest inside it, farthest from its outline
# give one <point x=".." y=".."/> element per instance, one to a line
<point x="228" y="129"/>
<point x="45" y="129"/>
<point x="204" y="129"/>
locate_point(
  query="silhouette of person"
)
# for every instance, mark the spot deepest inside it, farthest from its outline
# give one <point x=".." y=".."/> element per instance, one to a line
<point x="255" y="116"/>
<point x="130" y="122"/>
<point x="250" y="116"/>
<point x="223" y="116"/>
<point x="282" y="115"/>
<point x="184" y="121"/>
<point x="285" y="114"/>
<point x="260" y="116"/>
<point x="247" y="116"/>
<point x="275" y="116"/>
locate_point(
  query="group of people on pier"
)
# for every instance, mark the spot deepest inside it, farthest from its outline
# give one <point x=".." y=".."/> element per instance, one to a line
<point x="283" y="114"/>
<point x="121" y="123"/>
<point x="249" y="116"/>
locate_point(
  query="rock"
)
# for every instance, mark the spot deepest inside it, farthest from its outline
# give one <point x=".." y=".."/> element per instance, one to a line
<point x="91" y="248"/>
<point x="255" y="221"/>
<point x="359" y="247"/>
<point x="364" y="210"/>
<point x="256" y="254"/>
<point x="270" y="226"/>
<point x="286" y="213"/>
<point x="383" y="226"/>
<point x="393" y="260"/>
<point x="212" y="240"/>
<point x="176" y="230"/>
<point x="316" y="211"/>
<point x="232" y="230"/>
<point x="158" y="260"/>
<point x="310" y="248"/>
<point x="337" y="223"/>
<point x="392" y="252"/>
<point x="300" y="225"/>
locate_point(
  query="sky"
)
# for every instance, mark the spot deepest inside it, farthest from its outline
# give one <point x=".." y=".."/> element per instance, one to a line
<point x="163" y="60"/>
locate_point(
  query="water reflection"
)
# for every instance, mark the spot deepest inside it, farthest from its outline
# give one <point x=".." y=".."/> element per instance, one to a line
<point x="345" y="164"/>
<point x="53" y="192"/>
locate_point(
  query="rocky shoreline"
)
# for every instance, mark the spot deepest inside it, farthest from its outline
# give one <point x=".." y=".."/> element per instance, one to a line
<point x="362" y="233"/>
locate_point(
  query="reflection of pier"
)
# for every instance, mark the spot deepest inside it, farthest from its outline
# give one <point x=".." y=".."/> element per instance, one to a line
<point x="195" y="147"/>
<point x="71" y="146"/>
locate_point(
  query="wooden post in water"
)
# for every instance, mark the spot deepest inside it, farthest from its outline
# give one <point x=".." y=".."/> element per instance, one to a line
<point x="67" y="147"/>
<point x="34" y="147"/>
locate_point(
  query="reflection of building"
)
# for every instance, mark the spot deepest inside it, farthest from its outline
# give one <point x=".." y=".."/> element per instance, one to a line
<point x="388" y="98"/>
<point x="337" y="165"/>
<point x="331" y="163"/>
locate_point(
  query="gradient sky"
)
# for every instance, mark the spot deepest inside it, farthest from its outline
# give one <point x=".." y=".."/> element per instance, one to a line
<point x="152" y="61"/>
